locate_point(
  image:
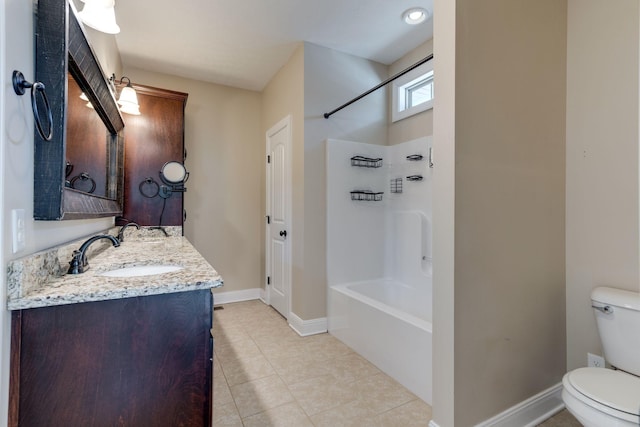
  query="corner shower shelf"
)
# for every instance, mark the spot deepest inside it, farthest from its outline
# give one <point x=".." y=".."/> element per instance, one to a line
<point x="367" y="196"/>
<point x="366" y="162"/>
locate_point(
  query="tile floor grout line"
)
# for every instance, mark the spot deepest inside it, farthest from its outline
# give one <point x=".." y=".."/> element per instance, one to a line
<point x="235" y="405"/>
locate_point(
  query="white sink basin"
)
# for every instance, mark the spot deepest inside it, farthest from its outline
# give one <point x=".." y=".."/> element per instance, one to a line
<point x="141" y="270"/>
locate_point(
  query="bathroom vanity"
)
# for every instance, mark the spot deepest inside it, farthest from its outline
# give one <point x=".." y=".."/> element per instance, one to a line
<point x="92" y="350"/>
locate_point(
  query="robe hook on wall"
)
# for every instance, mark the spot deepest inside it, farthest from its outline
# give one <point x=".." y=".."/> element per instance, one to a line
<point x="19" y="86"/>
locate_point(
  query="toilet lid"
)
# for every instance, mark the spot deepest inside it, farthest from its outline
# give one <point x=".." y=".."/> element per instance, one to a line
<point x="615" y="389"/>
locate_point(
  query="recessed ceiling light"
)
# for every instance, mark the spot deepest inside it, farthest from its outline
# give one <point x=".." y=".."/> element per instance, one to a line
<point x="415" y="15"/>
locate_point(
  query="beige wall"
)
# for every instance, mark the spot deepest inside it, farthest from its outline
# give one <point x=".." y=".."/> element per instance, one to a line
<point x="316" y="80"/>
<point x="223" y="199"/>
<point x="444" y="134"/>
<point x="601" y="197"/>
<point x="602" y="161"/>
<point x="332" y="78"/>
<point x="508" y="270"/>
<point x="417" y="125"/>
<point x="283" y="96"/>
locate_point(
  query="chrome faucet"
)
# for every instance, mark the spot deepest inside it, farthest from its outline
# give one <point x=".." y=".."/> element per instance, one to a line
<point x="121" y="232"/>
<point x="78" y="263"/>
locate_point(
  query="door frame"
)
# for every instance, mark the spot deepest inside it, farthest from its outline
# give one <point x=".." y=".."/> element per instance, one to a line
<point x="283" y="123"/>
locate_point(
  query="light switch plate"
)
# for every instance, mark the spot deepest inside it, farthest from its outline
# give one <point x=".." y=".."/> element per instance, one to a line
<point x="18" y="230"/>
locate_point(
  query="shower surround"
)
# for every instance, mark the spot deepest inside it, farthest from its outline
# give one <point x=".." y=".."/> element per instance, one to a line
<point x="379" y="265"/>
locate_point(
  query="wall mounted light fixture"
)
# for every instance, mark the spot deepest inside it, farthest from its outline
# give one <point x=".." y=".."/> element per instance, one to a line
<point x="100" y="15"/>
<point x="128" y="100"/>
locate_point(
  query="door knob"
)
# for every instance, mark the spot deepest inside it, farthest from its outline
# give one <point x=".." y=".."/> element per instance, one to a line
<point x="283" y="234"/>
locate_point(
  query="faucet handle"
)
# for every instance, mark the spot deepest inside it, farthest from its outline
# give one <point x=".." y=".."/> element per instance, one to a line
<point x="76" y="265"/>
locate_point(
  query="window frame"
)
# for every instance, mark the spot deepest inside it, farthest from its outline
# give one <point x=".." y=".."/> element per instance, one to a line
<point x="399" y="88"/>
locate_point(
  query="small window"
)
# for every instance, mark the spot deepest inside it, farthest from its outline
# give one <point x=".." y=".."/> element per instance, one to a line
<point x="413" y="92"/>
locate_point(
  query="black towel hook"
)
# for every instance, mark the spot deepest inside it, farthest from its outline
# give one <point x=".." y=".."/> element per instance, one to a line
<point x="19" y="86"/>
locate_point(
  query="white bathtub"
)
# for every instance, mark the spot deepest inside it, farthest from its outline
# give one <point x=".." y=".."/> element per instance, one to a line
<point x="388" y="323"/>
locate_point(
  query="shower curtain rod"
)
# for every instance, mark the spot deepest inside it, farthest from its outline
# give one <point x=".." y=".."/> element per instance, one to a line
<point x="373" y="89"/>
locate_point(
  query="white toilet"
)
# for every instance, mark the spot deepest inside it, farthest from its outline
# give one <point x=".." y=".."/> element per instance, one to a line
<point x="600" y="397"/>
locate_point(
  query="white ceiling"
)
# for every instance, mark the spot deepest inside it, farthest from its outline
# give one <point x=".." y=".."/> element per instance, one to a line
<point x="243" y="43"/>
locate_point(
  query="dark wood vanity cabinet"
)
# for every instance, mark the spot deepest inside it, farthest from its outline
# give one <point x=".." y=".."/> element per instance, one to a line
<point x="152" y="139"/>
<point x="141" y="361"/>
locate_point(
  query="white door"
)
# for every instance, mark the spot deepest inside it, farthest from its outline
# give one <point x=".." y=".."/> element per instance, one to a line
<point x="278" y="235"/>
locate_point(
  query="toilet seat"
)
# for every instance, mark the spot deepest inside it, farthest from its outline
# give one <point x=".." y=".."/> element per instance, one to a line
<point x="615" y="393"/>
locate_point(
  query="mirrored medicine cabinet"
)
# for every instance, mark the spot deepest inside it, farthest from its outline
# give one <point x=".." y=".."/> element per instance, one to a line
<point x="79" y="172"/>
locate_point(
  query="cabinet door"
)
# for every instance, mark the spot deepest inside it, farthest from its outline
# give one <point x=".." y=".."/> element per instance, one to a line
<point x="143" y="361"/>
<point x="152" y="139"/>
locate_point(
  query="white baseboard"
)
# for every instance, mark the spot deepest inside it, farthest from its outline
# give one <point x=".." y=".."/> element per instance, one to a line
<point x="530" y="412"/>
<point x="236" y="296"/>
<point x="302" y="327"/>
<point x="307" y="327"/>
<point x="433" y="424"/>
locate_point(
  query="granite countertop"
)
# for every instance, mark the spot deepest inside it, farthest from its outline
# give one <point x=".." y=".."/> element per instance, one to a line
<point x="58" y="288"/>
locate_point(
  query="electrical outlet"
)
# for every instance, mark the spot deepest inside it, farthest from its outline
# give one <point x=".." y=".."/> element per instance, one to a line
<point x="595" y="361"/>
<point x="18" y="230"/>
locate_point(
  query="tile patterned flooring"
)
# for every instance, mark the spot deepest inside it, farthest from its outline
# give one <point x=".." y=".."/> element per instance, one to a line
<point x="562" y="419"/>
<point x="264" y="374"/>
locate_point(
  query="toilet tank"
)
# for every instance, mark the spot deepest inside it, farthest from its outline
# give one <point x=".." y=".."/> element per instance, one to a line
<point x="618" y="318"/>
